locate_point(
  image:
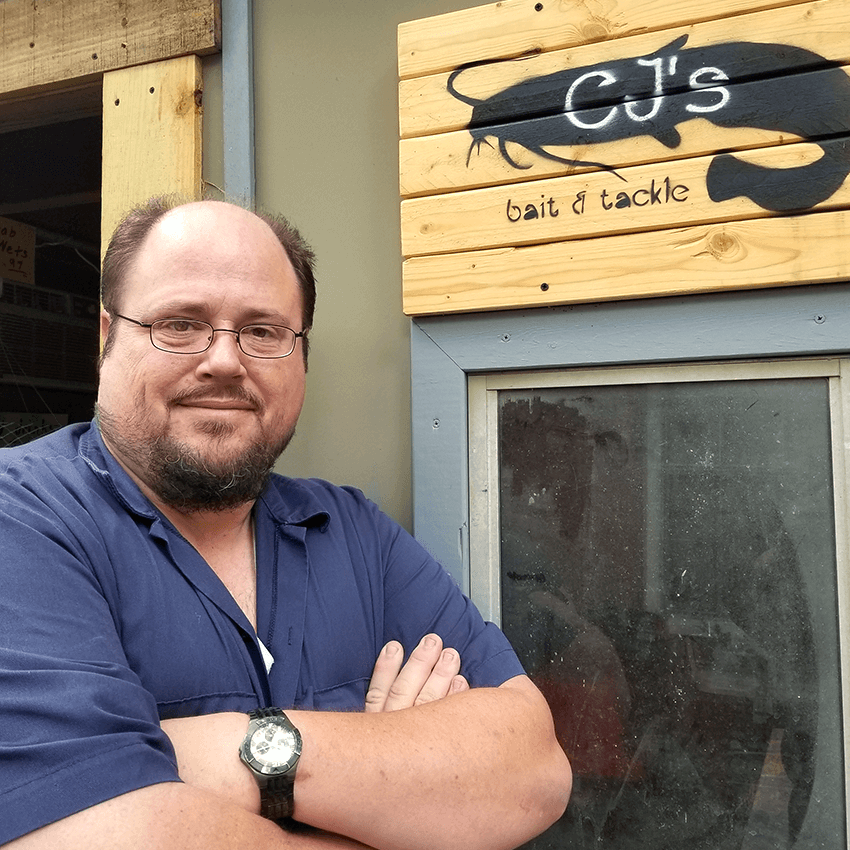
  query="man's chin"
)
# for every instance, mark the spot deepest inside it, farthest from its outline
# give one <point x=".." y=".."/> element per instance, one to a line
<point x="212" y="468"/>
<point x="216" y="425"/>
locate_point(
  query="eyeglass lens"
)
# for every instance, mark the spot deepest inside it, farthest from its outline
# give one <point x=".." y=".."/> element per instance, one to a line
<point x="184" y="336"/>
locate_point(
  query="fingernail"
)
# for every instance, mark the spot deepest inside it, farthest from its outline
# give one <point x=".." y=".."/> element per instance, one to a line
<point x="430" y="641"/>
<point x="391" y="649"/>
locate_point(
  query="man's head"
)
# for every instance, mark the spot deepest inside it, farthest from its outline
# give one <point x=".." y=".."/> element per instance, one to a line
<point x="201" y="431"/>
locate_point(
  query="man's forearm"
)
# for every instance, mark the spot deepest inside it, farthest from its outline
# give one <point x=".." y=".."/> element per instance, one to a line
<point x="477" y="769"/>
<point x="172" y="816"/>
<point x="429" y="764"/>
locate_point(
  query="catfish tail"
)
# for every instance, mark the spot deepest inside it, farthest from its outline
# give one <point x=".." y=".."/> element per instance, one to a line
<point x="780" y="189"/>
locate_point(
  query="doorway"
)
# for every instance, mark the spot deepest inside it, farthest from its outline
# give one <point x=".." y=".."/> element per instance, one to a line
<point x="50" y="210"/>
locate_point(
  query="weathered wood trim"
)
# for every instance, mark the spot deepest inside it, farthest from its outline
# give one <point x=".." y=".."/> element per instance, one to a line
<point x="45" y="43"/>
<point x="682" y="261"/>
<point x="152" y="135"/>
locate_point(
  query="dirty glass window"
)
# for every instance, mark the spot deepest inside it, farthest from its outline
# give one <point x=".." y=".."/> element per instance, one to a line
<point x="668" y="578"/>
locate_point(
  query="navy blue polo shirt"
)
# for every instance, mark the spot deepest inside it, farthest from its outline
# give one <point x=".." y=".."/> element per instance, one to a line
<point x="111" y="621"/>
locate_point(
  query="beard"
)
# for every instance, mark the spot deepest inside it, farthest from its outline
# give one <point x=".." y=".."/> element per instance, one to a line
<point x="181" y="476"/>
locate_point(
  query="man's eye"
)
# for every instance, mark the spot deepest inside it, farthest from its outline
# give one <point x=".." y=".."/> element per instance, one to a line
<point x="179" y="326"/>
<point x="262" y="333"/>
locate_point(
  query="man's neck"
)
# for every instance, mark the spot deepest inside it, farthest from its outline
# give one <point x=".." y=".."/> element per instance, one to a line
<point x="225" y="540"/>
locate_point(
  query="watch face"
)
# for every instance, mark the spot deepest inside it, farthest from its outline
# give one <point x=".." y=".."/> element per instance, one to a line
<point x="273" y="746"/>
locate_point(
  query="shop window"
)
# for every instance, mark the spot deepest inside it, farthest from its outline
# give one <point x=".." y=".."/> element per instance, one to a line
<point x="663" y="548"/>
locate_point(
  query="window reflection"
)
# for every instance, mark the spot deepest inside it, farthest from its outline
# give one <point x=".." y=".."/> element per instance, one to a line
<point x="668" y="579"/>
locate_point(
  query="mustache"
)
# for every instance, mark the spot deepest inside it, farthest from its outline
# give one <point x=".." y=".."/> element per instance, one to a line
<point x="228" y="392"/>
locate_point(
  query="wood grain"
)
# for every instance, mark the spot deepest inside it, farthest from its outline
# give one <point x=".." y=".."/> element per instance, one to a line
<point x="765" y="252"/>
<point x="426" y="107"/>
<point x="513" y="27"/>
<point x="152" y="135"/>
<point x="48" y="42"/>
<point x="648" y="197"/>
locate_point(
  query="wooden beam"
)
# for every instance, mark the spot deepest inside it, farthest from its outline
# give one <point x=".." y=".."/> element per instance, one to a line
<point x="705" y="258"/>
<point x="49" y="42"/>
<point x="152" y="135"/>
<point x="51" y="203"/>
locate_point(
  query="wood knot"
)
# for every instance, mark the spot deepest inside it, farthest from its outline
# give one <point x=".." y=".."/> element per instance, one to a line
<point x="595" y="30"/>
<point x="723" y="245"/>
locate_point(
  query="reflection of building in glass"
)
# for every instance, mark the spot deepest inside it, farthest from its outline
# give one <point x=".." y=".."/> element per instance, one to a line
<point x="678" y="684"/>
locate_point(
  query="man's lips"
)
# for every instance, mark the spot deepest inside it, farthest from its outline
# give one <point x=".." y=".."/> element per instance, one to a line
<point x="236" y="399"/>
<point x="217" y="404"/>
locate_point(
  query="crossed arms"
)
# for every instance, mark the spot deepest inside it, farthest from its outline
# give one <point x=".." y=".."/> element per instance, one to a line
<point x="429" y="764"/>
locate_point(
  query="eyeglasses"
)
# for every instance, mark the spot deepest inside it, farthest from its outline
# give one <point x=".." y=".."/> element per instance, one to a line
<point x="189" y="336"/>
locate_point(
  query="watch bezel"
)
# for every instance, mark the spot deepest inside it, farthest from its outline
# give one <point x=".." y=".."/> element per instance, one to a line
<point x="266" y="770"/>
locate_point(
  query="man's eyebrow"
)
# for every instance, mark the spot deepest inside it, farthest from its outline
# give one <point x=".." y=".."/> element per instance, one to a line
<point x="180" y="308"/>
<point x="200" y="310"/>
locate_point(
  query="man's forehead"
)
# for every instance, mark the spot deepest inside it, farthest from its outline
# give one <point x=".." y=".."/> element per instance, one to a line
<point x="206" y="232"/>
<point x="215" y="220"/>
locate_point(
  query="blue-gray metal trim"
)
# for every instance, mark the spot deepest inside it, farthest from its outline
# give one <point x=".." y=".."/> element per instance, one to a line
<point x="237" y="79"/>
<point x="776" y="323"/>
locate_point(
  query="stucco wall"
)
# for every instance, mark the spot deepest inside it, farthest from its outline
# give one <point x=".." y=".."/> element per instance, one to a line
<point x="325" y="80"/>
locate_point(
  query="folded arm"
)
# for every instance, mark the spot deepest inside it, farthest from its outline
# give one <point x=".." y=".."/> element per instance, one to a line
<point x="430" y="763"/>
<point x="478" y="768"/>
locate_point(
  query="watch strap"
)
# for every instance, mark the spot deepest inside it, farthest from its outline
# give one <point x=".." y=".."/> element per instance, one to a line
<point x="277" y="799"/>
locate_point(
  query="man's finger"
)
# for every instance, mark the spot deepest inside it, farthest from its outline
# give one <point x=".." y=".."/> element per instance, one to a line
<point x="384" y="674"/>
<point x="413" y="676"/>
<point x="459" y="684"/>
<point x="442" y="678"/>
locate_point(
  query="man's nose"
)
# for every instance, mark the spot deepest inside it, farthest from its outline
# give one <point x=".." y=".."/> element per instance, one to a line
<point x="224" y="351"/>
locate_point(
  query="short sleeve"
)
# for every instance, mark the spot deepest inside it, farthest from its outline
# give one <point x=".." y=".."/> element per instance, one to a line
<point x="77" y="726"/>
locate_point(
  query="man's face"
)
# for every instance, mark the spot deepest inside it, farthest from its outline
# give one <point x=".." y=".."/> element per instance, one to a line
<point x="221" y="411"/>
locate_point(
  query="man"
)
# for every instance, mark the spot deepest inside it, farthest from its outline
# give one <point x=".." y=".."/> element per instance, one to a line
<point x="157" y="585"/>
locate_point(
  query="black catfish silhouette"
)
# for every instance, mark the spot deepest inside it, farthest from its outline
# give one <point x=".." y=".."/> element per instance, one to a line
<point x="736" y="84"/>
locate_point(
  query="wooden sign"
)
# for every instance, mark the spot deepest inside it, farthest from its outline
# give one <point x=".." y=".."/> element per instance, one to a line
<point x="559" y="162"/>
<point x="17" y="251"/>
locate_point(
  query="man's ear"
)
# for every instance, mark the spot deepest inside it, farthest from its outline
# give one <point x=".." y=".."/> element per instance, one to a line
<point x="105" y="321"/>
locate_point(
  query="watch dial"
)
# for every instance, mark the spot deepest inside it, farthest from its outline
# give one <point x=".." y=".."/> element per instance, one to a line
<point x="271" y="745"/>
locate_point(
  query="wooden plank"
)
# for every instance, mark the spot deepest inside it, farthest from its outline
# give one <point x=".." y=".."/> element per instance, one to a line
<point x="795" y="177"/>
<point x="43" y="43"/>
<point x="151" y="135"/>
<point x="426" y="106"/>
<point x="777" y="251"/>
<point x="437" y="164"/>
<point x="62" y="102"/>
<point x="758" y="113"/>
<point x="513" y="27"/>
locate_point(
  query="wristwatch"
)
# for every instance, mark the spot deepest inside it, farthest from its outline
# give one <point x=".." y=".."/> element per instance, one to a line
<point x="270" y="750"/>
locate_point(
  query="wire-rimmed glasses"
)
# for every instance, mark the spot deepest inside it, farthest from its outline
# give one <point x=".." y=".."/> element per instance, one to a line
<point x="191" y="336"/>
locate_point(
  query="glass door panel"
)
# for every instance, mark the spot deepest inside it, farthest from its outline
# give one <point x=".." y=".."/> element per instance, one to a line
<point x="667" y="574"/>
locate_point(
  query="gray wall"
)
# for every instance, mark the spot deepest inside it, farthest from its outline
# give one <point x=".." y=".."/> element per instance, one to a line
<point x="325" y="78"/>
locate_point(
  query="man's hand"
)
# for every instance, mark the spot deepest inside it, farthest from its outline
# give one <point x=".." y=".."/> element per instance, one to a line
<point x="431" y="673"/>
